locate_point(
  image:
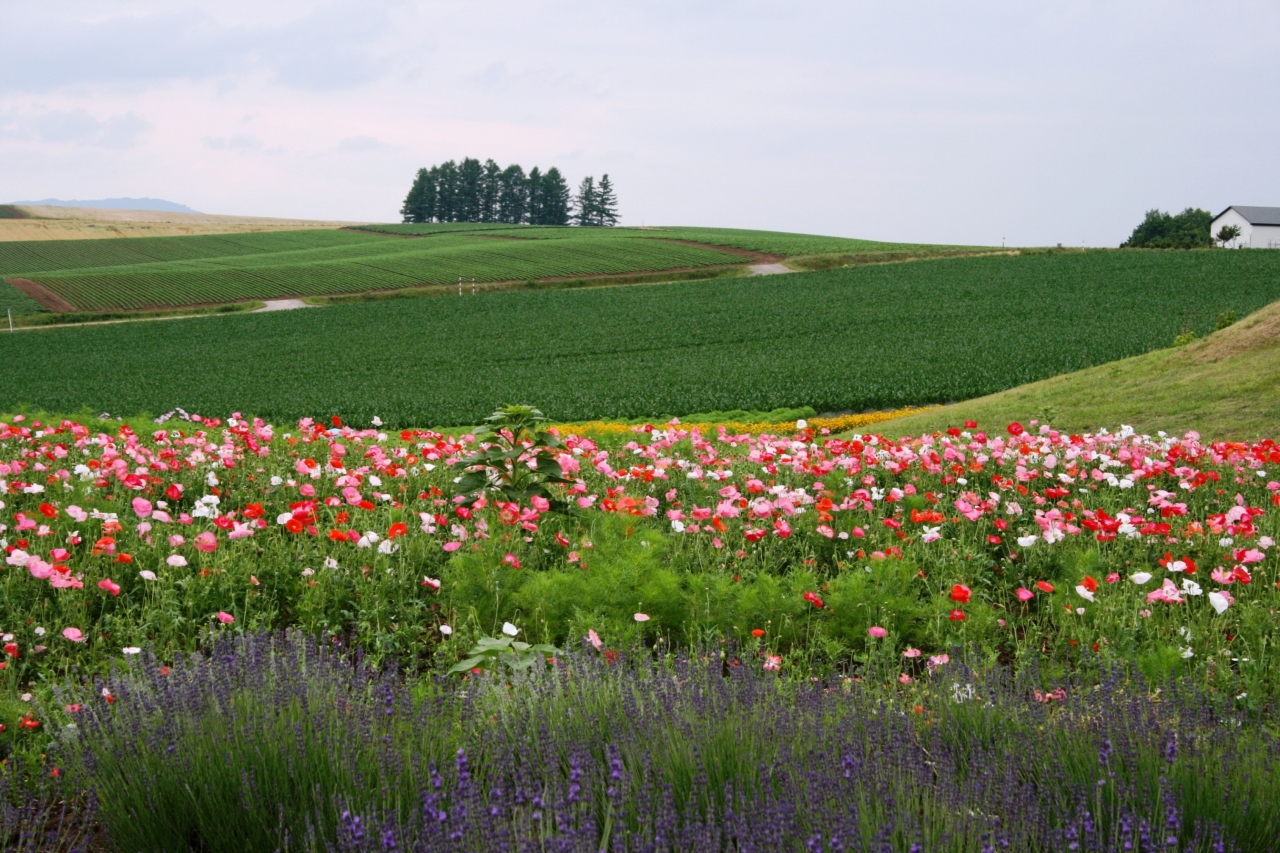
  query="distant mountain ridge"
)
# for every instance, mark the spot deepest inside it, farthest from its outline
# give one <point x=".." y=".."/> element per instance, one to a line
<point x="115" y="204"/>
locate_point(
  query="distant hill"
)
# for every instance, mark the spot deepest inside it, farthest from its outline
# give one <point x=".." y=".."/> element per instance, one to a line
<point x="115" y="204"/>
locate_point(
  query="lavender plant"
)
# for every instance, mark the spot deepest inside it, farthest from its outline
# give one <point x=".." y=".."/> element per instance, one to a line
<point x="288" y="743"/>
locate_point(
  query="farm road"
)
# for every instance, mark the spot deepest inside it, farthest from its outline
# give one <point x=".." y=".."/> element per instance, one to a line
<point x="283" y="305"/>
<point x="769" y="269"/>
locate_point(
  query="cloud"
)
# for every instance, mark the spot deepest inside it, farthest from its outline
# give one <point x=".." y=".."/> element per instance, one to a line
<point x="362" y="145"/>
<point x="236" y="142"/>
<point x="76" y="127"/>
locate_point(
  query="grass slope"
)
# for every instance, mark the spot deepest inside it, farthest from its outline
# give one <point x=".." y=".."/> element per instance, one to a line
<point x="851" y="339"/>
<point x="1224" y="386"/>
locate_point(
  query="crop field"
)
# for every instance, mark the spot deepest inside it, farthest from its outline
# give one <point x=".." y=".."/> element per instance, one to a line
<point x="851" y="339"/>
<point x="164" y="272"/>
<point x="12" y="299"/>
<point x="767" y="242"/>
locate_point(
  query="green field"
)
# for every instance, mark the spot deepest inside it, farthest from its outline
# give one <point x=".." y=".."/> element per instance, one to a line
<point x="12" y="299"/>
<point x="161" y="272"/>
<point x="850" y="339"/>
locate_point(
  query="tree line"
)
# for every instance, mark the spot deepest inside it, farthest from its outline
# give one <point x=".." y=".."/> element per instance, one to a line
<point x="474" y="192"/>
<point x="1159" y="230"/>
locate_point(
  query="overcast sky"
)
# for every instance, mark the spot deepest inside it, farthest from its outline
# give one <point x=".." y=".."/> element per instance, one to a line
<point x="943" y="122"/>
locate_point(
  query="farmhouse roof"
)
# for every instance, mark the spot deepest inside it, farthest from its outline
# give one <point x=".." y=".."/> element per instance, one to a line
<point x="1256" y="215"/>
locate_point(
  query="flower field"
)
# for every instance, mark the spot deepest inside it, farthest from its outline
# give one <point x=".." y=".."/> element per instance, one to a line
<point x="1099" y="569"/>
<point x="868" y="338"/>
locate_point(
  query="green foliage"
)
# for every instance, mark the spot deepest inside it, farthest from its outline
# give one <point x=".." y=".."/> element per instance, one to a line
<point x="1227" y="233"/>
<point x="1159" y="230"/>
<point x="494" y="653"/>
<point x="517" y="459"/>
<point x="1225" y="318"/>
<point x="872" y="337"/>
<point x="1184" y="337"/>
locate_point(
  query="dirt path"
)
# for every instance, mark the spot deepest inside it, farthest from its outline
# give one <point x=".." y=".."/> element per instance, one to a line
<point x="47" y="298"/>
<point x="769" y="269"/>
<point x="759" y="257"/>
<point x="282" y="305"/>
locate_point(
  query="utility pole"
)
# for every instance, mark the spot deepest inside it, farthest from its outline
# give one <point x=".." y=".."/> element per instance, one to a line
<point x="459" y="285"/>
<point x="473" y="286"/>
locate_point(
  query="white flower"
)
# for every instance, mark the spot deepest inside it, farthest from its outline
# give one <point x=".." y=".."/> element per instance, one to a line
<point x="284" y="518"/>
<point x="1187" y="653"/>
<point x="386" y="546"/>
<point x="1140" y="577"/>
<point x="1219" y="602"/>
<point x="131" y="650"/>
<point x="1084" y="592"/>
<point x="330" y="563"/>
<point x="375" y="480"/>
<point x="147" y="575"/>
<point x="509" y="629"/>
<point x="677" y="526"/>
<point x="1190" y="587"/>
<point x="306" y="573"/>
<point x="1027" y="541"/>
<point x="176" y="560"/>
<point x="275" y="481"/>
<point x="377" y="421"/>
<point x="39" y="632"/>
<point x="931" y="534"/>
<point x="1226" y="542"/>
<point x="446" y="630"/>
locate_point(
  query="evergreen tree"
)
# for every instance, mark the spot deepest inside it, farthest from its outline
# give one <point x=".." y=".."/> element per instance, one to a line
<point x="585" y="202"/>
<point x="412" y="209"/>
<point x="534" y="214"/>
<point x="472" y="192"/>
<point x="490" y="189"/>
<point x="556" y="202"/>
<point x="470" y="176"/>
<point x="513" y="195"/>
<point x="447" y="192"/>
<point x="606" y="203"/>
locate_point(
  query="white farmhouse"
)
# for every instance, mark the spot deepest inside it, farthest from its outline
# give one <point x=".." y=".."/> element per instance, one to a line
<point x="1259" y="226"/>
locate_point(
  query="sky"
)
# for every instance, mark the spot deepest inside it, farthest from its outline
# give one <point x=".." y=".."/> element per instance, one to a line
<point x="942" y="122"/>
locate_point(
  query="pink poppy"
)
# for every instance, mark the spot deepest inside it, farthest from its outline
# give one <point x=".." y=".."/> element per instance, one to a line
<point x="75" y="635"/>
<point x="142" y="507"/>
<point x="225" y="618"/>
<point x="642" y="617"/>
<point x="206" y="541"/>
<point x="109" y="585"/>
<point x="877" y="632"/>
<point x="772" y="663"/>
<point x="594" y="639"/>
<point x="1024" y="594"/>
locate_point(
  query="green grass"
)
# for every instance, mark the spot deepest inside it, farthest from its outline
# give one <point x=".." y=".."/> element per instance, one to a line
<point x="851" y="339"/>
<point x="1224" y="387"/>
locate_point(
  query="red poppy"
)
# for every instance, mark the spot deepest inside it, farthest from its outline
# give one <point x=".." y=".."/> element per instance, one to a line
<point x="123" y="558"/>
<point x="174" y="492"/>
<point x="336" y="535"/>
<point x="11" y="649"/>
<point x="1044" y="586"/>
<point x="1015" y="428"/>
<point x="957" y="615"/>
<point x="294" y="525"/>
<point x="336" y="421"/>
<point x="253" y="511"/>
<point x="970" y="424"/>
<point x="757" y="632"/>
<point x="397" y="530"/>
<point x="48" y="510"/>
<point x="562" y="539"/>
<point x="814" y="599"/>
<point x="342" y="518"/>
<point x="1089" y="584"/>
<point x="960" y="593"/>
